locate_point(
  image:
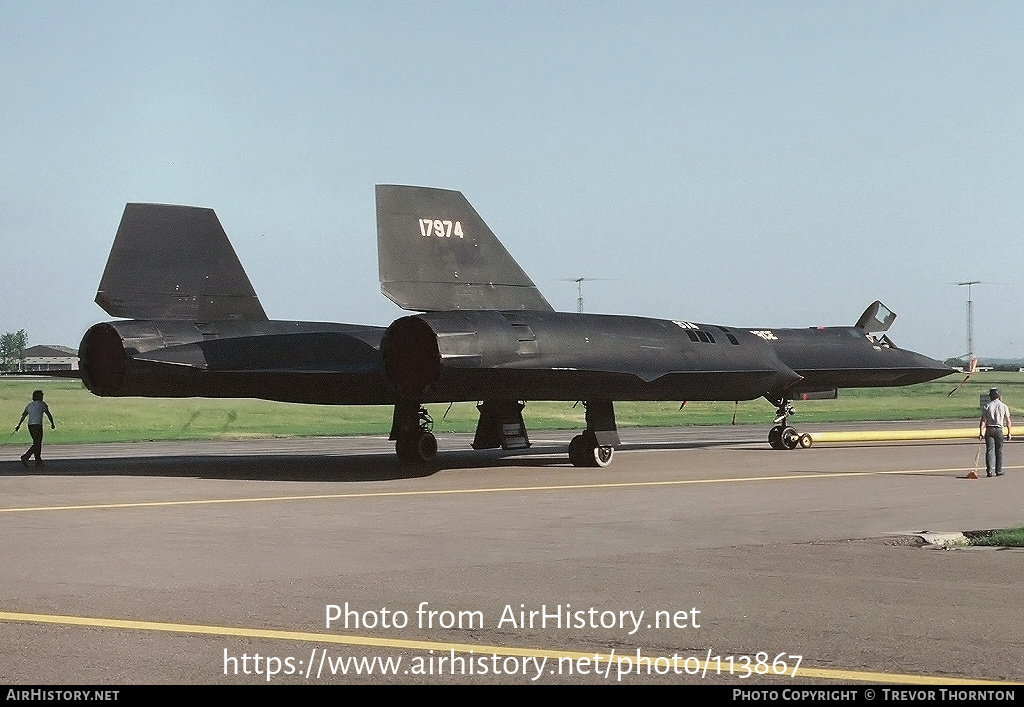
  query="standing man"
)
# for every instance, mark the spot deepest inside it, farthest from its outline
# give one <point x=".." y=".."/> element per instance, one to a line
<point x="34" y="411"/>
<point x="995" y="421"/>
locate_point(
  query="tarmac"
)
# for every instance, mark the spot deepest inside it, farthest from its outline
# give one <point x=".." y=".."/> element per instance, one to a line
<point x="180" y="562"/>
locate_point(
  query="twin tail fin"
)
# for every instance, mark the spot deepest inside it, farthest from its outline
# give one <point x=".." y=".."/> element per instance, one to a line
<point x="435" y="253"/>
<point x="175" y="263"/>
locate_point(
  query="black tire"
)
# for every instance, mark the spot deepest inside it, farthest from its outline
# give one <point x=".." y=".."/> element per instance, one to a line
<point x="775" y="437"/>
<point x="790" y="438"/>
<point x="806" y="441"/>
<point x="577" y="451"/>
<point x="602" y="456"/>
<point x="425" y="448"/>
<point x="418" y="447"/>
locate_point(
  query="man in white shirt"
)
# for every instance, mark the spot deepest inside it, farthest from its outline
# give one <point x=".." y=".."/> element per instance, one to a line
<point x="34" y="411"/>
<point x="995" y="424"/>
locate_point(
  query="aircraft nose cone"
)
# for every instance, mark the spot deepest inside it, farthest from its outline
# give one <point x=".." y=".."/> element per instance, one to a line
<point x="921" y="368"/>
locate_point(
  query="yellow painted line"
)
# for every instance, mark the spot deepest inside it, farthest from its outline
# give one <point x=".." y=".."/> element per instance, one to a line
<point x="495" y="489"/>
<point x="419" y="645"/>
<point x="893" y="435"/>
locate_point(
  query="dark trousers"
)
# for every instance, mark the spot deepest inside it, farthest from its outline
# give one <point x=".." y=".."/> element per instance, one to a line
<point x="994" y="450"/>
<point x="37" y="443"/>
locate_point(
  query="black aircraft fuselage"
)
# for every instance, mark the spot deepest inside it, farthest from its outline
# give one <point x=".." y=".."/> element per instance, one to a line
<point x="456" y="356"/>
<point x="485" y="334"/>
<point x="530" y="355"/>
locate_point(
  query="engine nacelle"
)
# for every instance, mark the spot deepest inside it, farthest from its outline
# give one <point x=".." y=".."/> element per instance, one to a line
<point x="102" y="360"/>
<point x="106" y="357"/>
<point x="411" y="356"/>
<point x="415" y="348"/>
<point x="530" y="355"/>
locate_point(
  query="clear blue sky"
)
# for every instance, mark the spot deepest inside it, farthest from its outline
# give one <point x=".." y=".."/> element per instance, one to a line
<point x="749" y="164"/>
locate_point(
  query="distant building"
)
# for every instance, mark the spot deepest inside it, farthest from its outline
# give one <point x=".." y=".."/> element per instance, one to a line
<point x="50" y="358"/>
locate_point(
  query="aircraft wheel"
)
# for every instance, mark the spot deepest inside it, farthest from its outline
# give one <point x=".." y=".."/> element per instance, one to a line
<point x="425" y="448"/>
<point x="603" y="456"/>
<point x="577" y="451"/>
<point x="806" y="441"/>
<point x="790" y="439"/>
<point x="775" y="437"/>
<point x="419" y="447"/>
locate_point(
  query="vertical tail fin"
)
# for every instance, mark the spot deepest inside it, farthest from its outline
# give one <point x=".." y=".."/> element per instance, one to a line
<point x="435" y="253"/>
<point x="175" y="262"/>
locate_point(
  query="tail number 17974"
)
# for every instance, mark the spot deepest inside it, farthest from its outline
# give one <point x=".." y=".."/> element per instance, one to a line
<point x="441" y="229"/>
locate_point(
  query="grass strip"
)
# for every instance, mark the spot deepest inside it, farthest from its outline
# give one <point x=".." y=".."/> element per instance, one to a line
<point x="83" y="417"/>
<point x="1010" y="537"/>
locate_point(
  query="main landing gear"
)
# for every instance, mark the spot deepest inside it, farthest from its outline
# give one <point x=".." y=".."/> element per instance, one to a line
<point x="584" y="450"/>
<point x="782" y="436"/>
<point x="596" y="446"/>
<point x="412" y="432"/>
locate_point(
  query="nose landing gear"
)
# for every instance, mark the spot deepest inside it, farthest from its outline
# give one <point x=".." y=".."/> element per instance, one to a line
<point x="782" y="436"/>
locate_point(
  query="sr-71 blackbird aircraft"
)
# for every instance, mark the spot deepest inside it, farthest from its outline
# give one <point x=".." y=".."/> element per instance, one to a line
<point x="484" y="333"/>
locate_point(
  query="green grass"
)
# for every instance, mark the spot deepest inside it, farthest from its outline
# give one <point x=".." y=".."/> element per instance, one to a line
<point x="1012" y="537"/>
<point x="82" y="417"/>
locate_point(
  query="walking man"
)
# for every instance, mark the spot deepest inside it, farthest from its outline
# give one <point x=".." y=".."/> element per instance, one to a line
<point x="995" y="422"/>
<point x="34" y="411"/>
